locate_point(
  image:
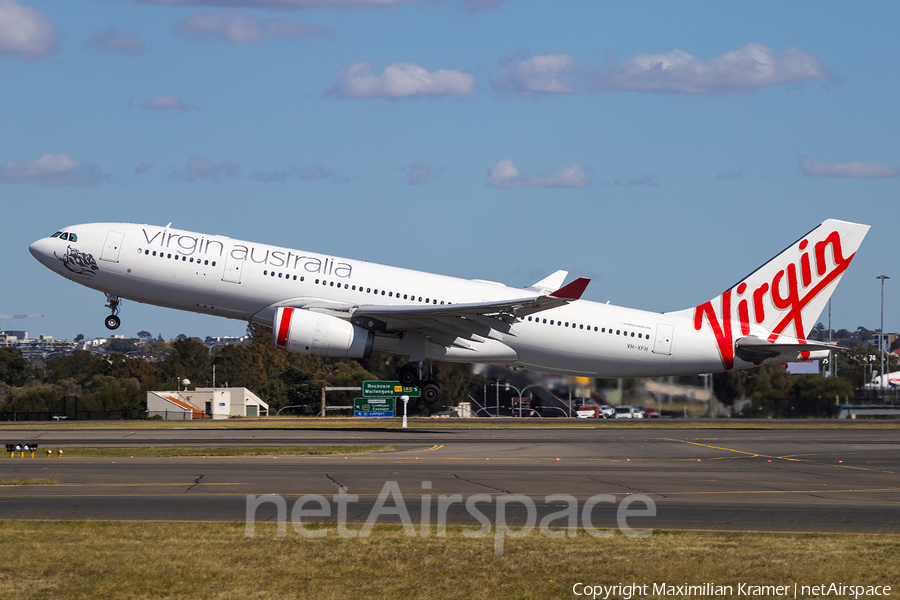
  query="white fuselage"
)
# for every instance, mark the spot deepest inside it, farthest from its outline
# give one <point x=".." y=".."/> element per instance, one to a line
<point x="242" y="280"/>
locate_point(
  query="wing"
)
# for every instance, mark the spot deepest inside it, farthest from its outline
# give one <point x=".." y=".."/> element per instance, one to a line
<point x="444" y="324"/>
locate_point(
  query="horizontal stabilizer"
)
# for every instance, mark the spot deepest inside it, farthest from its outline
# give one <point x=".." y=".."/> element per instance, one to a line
<point x="753" y="349"/>
<point x="548" y="284"/>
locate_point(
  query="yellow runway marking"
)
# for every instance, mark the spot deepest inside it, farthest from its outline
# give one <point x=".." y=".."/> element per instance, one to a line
<point x="755" y="454"/>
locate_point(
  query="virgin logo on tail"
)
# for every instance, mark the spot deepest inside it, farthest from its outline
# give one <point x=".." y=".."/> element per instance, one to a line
<point x="780" y="294"/>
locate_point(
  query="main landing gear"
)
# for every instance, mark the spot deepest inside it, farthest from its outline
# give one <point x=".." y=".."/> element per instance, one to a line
<point x="112" y="303"/>
<point x="411" y="374"/>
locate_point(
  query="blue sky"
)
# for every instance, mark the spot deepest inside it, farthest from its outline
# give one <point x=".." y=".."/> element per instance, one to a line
<point x="662" y="149"/>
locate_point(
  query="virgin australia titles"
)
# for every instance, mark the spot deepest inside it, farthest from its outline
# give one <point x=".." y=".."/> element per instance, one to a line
<point x="390" y="502"/>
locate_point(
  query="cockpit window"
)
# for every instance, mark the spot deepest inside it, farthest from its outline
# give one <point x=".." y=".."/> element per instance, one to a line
<point x="57" y="234"/>
<point x="73" y="237"/>
<point x="65" y="236"/>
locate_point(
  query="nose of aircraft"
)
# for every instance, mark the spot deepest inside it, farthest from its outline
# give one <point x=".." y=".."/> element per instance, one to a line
<point x="41" y="250"/>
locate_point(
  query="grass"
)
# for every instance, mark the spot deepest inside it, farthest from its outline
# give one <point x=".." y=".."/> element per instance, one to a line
<point x="187" y="451"/>
<point x="71" y="560"/>
<point x="43" y="481"/>
<point x="481" y="423"/>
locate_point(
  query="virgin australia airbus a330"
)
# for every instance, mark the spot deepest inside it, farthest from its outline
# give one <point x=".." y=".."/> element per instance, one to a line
<point x="327" y="306"/>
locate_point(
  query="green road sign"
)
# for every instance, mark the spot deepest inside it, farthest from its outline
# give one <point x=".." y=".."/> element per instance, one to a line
<point x="373" y="407"/>
<point x="389" y="388"/>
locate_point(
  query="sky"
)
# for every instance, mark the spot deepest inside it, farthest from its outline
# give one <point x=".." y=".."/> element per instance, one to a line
<point x="662" y="149"/>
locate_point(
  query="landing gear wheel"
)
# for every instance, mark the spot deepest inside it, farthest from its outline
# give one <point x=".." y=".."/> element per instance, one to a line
<point x="409" y="375"/>
<point x="431" y="392"/>
<point x="113" y="322"/>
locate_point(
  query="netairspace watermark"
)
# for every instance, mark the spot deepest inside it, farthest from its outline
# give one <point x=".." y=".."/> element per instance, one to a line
<point x="739" y="590"/>
<point x="391" y="503"/>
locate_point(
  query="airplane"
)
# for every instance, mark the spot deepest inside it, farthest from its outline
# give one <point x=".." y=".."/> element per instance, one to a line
<point x="322" y="305"/>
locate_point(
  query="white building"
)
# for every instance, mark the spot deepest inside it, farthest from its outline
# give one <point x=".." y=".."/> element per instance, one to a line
<point x="205" y="403"/>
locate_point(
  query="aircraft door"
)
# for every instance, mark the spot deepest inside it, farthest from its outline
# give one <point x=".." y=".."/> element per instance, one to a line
<point x="112" y="246"/>
<point x="663" y="343"/>
<point x="233" y="268"/>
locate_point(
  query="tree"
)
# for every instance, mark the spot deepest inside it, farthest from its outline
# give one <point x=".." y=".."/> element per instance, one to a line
<point x="189" y="358"/>
<point x="14" y="368"/>
<point x="145" y="336"/>
<point x="81" y="366"/>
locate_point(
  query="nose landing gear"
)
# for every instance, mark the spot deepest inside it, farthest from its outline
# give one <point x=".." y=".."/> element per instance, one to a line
<point x="113" y="321"/>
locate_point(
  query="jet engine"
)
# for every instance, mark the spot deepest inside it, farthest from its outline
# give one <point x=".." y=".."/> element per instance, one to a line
<point x="305" y="332"/>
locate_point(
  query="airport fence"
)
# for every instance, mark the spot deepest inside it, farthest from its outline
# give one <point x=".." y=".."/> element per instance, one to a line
<point x="79" y="415"/>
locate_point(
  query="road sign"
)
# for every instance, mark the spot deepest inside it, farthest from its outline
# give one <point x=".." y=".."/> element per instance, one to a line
<point x="389" y="388"/>
<point x="373" y="407"/>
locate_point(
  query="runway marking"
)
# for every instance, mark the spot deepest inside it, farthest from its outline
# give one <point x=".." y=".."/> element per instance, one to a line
<point x="437" y="492"/>
<point x="756" y="454"/>
<point x="116" y="484"/>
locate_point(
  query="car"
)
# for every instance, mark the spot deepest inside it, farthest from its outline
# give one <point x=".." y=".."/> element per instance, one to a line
<point x="637" y="412"/>
<point x="623" y="412"/>
<point x="650" y="413"/>
<point x="607" y="411"/>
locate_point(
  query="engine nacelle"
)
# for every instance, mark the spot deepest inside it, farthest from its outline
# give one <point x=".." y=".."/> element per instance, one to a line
<point x="305" y="332"/>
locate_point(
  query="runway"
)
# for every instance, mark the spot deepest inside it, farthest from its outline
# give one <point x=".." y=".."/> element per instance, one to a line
<point x="787" y="481"/>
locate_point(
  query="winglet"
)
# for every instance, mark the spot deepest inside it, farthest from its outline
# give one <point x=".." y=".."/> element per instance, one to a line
<point x="573" y="290"/>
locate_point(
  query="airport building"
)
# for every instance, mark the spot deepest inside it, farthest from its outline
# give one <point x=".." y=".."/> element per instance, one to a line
<point x="205" y="403"/>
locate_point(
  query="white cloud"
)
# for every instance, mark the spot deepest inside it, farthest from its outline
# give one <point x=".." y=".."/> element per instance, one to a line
<point x="52" y="170"/>
<point x="419" y="173"/>
<point x="400" y="80"/>
<point x="200" y="168"/>
<point x="238" y="28"/>
<point x="535" y="77"/>
<point x="111" y="40"/>
<point x="732" y="174"/>
<point x="505" y="175"/>
<point x="166" y="103"/>
<point x="749" y="68"/>
<point x="26" y="32"/>
<point x="849" y="170"/>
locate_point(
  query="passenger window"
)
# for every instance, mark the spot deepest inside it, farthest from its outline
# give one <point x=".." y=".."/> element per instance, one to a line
<point x="632" y="334"/>
<point x="404" y="296"/>
<point x="205" y="262"/>
<point x="551" y="321"/>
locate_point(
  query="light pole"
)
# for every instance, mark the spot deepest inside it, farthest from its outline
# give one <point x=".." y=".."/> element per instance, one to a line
<point x="881" y="333"/>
